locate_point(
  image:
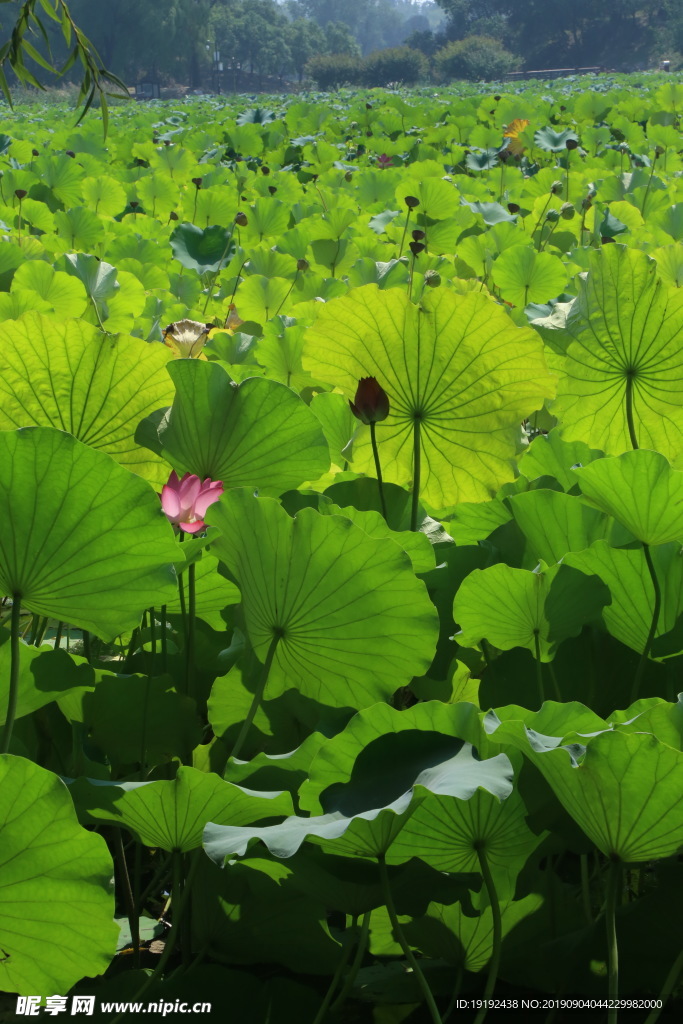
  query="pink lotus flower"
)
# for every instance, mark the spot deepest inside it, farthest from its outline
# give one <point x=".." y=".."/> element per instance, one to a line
<point x="185" y="501"/>
<point x="385" y="161"/>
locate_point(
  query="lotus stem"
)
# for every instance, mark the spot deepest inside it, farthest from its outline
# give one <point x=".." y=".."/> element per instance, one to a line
<point x="417" y="454"/>
<point x="191" y="606"/>
<point x="13" y="695"/>
<point x="637" y="679"/>
<point x="258" y="697"/>
<point x="163" y="638"/>
<point x="613" y="884"/>
<point x="586" y="889"/>
<point x="357" y="961"/>
<point x="403" y="942"/>
<point x="131" y="911"/>
<point x="539" y="668"/>
<point x="667" y="988"/>
<point x="343" y="960"/>
<point x="497" y="932"/>
<point x="629" y="412"/>
<point x="403" y="236"/>
<point x="378" y="470"/>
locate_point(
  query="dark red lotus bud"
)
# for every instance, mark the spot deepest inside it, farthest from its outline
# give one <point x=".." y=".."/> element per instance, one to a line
<point x="265" y="170"/>
<point x="513" y="208"/>
<point x="35" y="152"/>
<point x="571" y="144"/>
<point x="197" y="182"/>
<point x="372" y="402"/>
<point x="302" y="264"/>
<point x="70" y="152"/>
<point x="411" y="202"/>
<point x="272" y="189"/>
<point x="416" y="248"/>
<point x="20" y="193"/>
<point x="418" y="235"/>
<point x="134" y="204"/>
<point x="173" y="215"/>
<point x="241" y="219"/>
<point x="497" y="99"/>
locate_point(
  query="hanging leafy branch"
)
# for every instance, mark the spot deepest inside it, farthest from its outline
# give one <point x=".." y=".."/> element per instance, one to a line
<point x="97" y="81"/>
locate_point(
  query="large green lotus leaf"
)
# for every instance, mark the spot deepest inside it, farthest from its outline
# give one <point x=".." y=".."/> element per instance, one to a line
<point x="516" y="608"/>
<point x="446" y="932"/>
<point x="623" y="331"/>
<point x="257" y="434"/>
<point x="456" y="363"/>
<point x="550" y="455"/>
<point x="641" y="490"/>
<point x="625" y="792"/>
<point x="435" y="730"/>
<point x="353" y="621"/>
<point x="415" y="545"/>
<point x="524" y="275"/>
<point x="63" y="293"/>
<point x="64" y="374"/>
<point x="213" y="593"/>
<point x="45" y="674"/>
<point x="628" y="616"/>
<point x="554" y="522"/>
<point x="447" y="833"/>
<point x="203" y="251"/>
<point x="259" y="298"/>
<point x="252" y="912"/>
<point x="170" y="815"/>
<point x="137" y="720"/>
<point x="364" y="822"/>
<point x="54" y="886"/>
<point x="83" y="539"/>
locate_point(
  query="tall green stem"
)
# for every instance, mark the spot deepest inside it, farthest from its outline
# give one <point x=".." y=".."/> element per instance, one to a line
<point x="539" y="668"/>
<point x="13" y="674"/>
<point x="343" y="960"/>
<point x="417" y="458"/>
<point x="613" y="886"/>
<point x="378" y="470"/>
<point x="403" y="942"/>
<point x="258" y="697"/>
<point x="667" y="988"/>
<point x="629" y="412"/>
<point x="637" y="679"/>
<point x="164" y="651"/>
<point x="497" y="932"/>
<point x="357" y="961"/>
<point x="131" y="910"/>
<point x="191" y="603"/>
<point x="403" y="236"/>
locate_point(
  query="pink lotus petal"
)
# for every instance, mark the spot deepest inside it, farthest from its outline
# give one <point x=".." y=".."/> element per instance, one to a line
<point x="190" y="486"/>
<point x="208" y="496"/>
<point x="193" y="527"/>
<point x="170" y="502"/>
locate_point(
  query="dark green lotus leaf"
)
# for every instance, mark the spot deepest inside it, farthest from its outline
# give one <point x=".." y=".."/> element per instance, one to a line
<point x="54" y="889"/>
<point x="447" y="932"/>
<point x="257" y="434"/>
<point x="170" y="815"/>
<point x="352" y="621"/>
<point x="628" y="616"/>
<point x="367" y="816"/>
<point x="137" y="720"/>
<point x="45" y="675"/>
<point x="518" y="608"/>
<point x="83" y="539"/>
<point x="204" y="250"/>
<point x="641" y="490"/>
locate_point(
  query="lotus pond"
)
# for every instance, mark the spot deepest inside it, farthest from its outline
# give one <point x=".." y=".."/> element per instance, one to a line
<point x="341" y="469"/>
